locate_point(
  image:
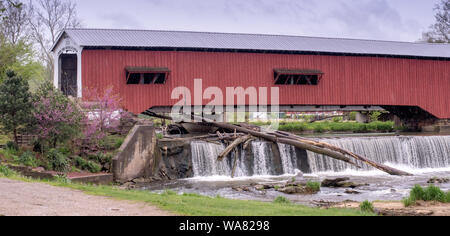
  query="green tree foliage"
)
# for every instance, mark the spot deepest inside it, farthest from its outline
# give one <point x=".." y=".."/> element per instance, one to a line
<point x="15" y="104"/>
<point x="440" y="31"/>
<point x="19" y="57"/>
<point x="16" y="46"/>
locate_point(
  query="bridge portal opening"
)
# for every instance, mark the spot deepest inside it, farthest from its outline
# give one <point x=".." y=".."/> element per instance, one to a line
<point x="68" y="74"/>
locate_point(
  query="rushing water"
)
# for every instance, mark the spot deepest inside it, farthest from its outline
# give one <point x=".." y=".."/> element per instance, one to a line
<point x="265" y="159"/>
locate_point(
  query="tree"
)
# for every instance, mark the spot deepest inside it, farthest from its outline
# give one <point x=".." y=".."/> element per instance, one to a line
<point x="104" y="114"/>
<point x="440" y="31"/>
<point x="15" y="104"/>
<point x="4" y="7"/>
<point x="16" y="49"/>
<point x="49" y="19"/>
<point x="14" y="24"/>
<point x="57" y="118"/>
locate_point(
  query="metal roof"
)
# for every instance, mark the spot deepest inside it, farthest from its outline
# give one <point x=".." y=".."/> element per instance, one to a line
<point x="250" y="42"/>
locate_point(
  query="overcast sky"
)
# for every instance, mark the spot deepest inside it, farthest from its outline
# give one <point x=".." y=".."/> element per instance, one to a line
<point x="398" y="20"/>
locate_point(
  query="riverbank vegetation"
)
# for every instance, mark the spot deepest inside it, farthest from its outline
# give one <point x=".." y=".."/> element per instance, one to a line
<point x="430" y="193"/>
<point x="193" y="204"/>
<point x="333" y="126"/>
<point x="64" y="134"/>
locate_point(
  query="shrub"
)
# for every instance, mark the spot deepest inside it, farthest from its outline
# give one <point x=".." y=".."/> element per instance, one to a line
<point x="28" y="159"/>
<point x="352" y="115"/>
<point x="5" y="171"/>
<point x="417" y="193"/>
<point x="431" y="193"/>
<point x="281" y="200"/>
<point x="337" y="119"/>
<point x="57" y="161"/>
<point x="87" y="165"/>
<point x="366" y="206"/>
<point x="12" y="146"/>
<point x="62" y="179"/>
<point x="57" y="118"/>
<point x="375" y="115"/>
<point x="408" y="202"/>
<point x="104" y="114"/>
<point x="313" y="186"/>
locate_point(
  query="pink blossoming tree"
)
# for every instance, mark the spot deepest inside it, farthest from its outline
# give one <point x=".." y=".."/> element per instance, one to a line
<point x="57" y="118"/>
<point x="104" y="114"/>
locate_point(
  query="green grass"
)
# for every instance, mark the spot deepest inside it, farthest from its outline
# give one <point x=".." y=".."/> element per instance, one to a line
<point x="430" y="193"/>
<point x="313" y="186"/>
<point x="281" y="200"/>
<point x="366" y="206"/>
<point x="196" y="205"/>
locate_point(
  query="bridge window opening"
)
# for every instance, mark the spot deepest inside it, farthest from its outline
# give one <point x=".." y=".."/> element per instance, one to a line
<point x="143" y="75"/>
<point x="297" y="77"/>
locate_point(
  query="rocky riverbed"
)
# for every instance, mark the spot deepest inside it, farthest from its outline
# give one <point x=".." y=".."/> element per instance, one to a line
<point x="353" y="187"/>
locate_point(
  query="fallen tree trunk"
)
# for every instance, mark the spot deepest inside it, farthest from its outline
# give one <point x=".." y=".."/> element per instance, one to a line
<point x="313" y="146"/>
<point x="379" y="166"/>
<point x="287" y="141"/>
<point x="307" y="144"/>
<point x="233" y="145"/>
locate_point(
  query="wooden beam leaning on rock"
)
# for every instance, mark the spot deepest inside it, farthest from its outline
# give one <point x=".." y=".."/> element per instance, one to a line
<point x="233" y="145"/>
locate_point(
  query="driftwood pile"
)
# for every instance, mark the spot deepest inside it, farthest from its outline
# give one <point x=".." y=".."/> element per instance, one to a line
<point x="245" y="133"/>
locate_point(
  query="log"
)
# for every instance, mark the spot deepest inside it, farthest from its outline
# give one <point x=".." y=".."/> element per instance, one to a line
<point x="313" y="146"/>
<point x="233" y="145"/>
<point x="382" y="167"/>
<point x="310" y="145"/>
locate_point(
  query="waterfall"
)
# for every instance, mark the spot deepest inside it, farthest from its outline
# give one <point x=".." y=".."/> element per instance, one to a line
<point x="264" y="158"/>
<point x="260" y="160"/>
<point x="415" y="152"/>
<point x="287" y="154"/>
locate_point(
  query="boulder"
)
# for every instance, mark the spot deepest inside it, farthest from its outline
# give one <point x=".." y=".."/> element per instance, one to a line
<point x="341" y="183"/>
<point x="334" y="182"/>
<point x="436" y="180"/>
<point x="351" y="191"/>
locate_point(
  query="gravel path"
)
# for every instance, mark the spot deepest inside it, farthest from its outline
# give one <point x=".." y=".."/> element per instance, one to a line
<point x="35" y="199"/>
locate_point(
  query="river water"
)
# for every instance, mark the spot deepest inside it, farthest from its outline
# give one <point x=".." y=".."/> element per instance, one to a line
<point x="423" y="156"/>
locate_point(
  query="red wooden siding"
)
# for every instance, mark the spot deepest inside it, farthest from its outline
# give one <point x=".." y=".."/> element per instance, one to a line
<point x="346" y="81"/>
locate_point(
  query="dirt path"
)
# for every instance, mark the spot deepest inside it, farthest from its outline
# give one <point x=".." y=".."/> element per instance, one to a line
<point x="397" y="209"/>
<point x="36" y="199"/>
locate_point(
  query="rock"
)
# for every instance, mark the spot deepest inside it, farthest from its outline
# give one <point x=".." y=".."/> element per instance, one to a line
<point x="436" y="180"/>
<point x="140" y="180"/>
<point x="128" y="186"/>
<point x="341" y="183"/>
<point x="352" y="185"/>
<point x="351" y="191"/>
<point x="241" y="189"/>
<point x="288" y="190"/>
<point x="292" y="189"/>
<point x="333" y="182"/>
<point x="259" y="187"/>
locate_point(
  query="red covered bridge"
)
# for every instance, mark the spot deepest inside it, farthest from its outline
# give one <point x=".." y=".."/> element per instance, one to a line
<point x="412" y="80"/>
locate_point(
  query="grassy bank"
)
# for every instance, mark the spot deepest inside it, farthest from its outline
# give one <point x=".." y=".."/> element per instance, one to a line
<point x="331" y="126"/>
<point x="196" y="205"/>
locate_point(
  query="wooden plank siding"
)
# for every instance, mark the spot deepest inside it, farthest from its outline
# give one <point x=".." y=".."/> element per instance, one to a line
<point x="347" y="80"/>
